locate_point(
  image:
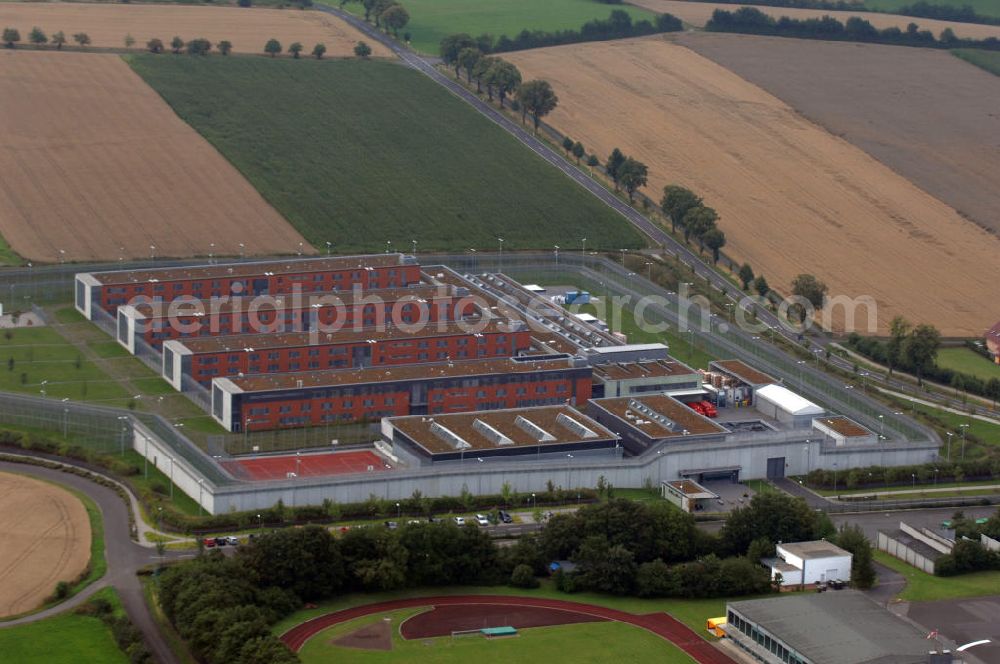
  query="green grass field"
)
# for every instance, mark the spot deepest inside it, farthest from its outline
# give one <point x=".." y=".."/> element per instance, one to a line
<point x="924" y="587"/>
<point x="981" y="7"/>
<point x="988" y="60"/>
<point x="986" y="431"/>
<point x="64" y="639"/>
<point x="576" y="644"/>
<point x="432" y="20"/>
<point x="359" y="153"/>
<point x="963" y="359"/>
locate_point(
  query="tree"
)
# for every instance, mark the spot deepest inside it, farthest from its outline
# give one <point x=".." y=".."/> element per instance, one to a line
<point x="593" y="161"/>
<point x="746" y="275"/>
<point x="537" y="98"/>
<point x="613" y="166"/>
<point x="633" y="174"/>
<point x="810" y="288"/>
<point x="10" y="37"/>
<point x="920" y="349"/>
<point x="505" y="77"/>
<point x="760" y="548"/>
<point x="761" y="286"/>
<point x="567" y="144"/>
<point x="129" y="41"/>
<point x="295" y="49"/>
<point x="59" y="39"/>
<point x="155" y="45"/>
<point x="653" y="579"/>
<point x="362" y="50"/>
<point x="199" y="46"/>
<point x="176" y="44"/>
<point x="698" y="221"/>
<point x="715" y="240"/>
<point x="37" y="36"/>
<point x="273" y="47"/>
<point x="479" y="71"/>
<point x="676" y="202"/>
<point x="318" y="51"/>
<point x="578" y="151"/>
<point x="898" y="329"/>
<point x="774" y="516"/>
<point x="82" y="38"/>
<point x="467" y="59"/>
<point x="451" y="46"/>
<point x="523" y="577"/>
<point x="395" y="18"/>
<point x="225" y="47"/>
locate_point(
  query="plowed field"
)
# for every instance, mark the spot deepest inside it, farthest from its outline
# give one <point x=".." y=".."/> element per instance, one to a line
<point x="247" y="29"/>
<point x="792" y="197"/>
<point x="46" y="539"/>
<point x="95" y="165"/>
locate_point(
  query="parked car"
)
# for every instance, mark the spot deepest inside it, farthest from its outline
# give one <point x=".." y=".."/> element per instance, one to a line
<point x="391" y="525"/>
<point x="504" y="517"/>
<point x="482" y="520"/>
<point x="836" y="584"/>
<point x="209" y="542"/>
<point x="232" y="540"/>
<point x="220" y="541"/>
<point x="413" y="522"/>
<point x="459" y="520"/>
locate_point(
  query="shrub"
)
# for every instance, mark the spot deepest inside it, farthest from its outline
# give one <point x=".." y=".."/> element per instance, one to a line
<point x="523" y="577"/>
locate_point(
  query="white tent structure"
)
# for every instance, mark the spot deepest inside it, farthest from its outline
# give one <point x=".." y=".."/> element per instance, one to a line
<point x="780" y="403"/>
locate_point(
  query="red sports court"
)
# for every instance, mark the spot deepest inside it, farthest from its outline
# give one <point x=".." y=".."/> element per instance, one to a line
<point x="306" y="465"/>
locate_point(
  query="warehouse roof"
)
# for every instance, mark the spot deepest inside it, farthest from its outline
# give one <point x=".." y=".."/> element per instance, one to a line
<point x="814" y="549"/>
<point x="493" y="429"/>
<point x="691" y="489"/>
<point x="642" y="369"/>
<point x="249" y="269"/>
<point x="405" y="372"/>
<point x="658" y="416"/>
<point x="788" y="401"/>
<point x="431" y="330"/>
<point x="844" y="426"/>
<point x="743" y="371"/>
<point x="843" y="627"/>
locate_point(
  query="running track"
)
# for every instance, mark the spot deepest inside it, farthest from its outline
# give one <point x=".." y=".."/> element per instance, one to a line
<point x="658" y="623"/>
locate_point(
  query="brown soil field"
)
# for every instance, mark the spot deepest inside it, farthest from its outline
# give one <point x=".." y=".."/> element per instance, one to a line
<point x="923" y="112"/>
<point x="792" y="197"/>
<point x="46" y="539"/>
<point x="247" y="29"/>
<point x="698" y="13"/>
<point x="95" y="164"/>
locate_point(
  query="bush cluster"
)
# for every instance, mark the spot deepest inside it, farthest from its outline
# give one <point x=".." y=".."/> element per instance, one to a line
<point x="126" y="635"/>
<point x="879" y="476"/>
<point x="618" y="25"/>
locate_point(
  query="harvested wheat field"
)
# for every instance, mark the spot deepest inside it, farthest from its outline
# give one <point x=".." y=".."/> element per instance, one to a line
<point x="792" y="197"/>
<point x="96" y="165"/>
<point x="46" y="539"/>
<point x="698" y="13"/>
<point x="247" y="29"/>
<point x="923" y="112"/>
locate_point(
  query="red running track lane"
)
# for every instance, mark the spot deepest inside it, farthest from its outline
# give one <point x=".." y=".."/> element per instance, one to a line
<point x="660" y="624"/>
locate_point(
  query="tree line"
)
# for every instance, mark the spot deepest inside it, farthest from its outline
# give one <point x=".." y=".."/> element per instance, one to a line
<point x="749" y="20"/>
<point x="37" y="37"/>
<point x="388" y="15"/>
<point x="921" y="9"/>
<point x="879" y="477"/>
<point x="686" y="209"/>
<point x="618" y="25"/>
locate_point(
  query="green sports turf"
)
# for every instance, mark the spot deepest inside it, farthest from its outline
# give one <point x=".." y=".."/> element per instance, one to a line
<point x="981" y="7"/>
<point x="64" y="639"/>
<point x="359" y="153"/>
<point x="431" y="20"/>
<point x="963" y="359"/>
<point x="585" y="643"/>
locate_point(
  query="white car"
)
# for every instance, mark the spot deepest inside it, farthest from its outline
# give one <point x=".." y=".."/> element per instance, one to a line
<point x="233" y="541"/>
<point x="459" y="520"/>
<point x="482" y="520"/>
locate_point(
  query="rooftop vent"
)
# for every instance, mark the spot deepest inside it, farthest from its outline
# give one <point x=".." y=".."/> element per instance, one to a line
<point x="491" y="434"/>
<point x="533" y="430"/>
<point x="574" y="426"/>
<point x="449" y="437"/>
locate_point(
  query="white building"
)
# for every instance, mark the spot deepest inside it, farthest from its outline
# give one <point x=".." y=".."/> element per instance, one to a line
<point x="818" y="562"/>
<point x="780" y="403"/>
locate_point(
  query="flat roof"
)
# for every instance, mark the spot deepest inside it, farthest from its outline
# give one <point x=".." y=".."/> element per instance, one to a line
<point x="404" y="372"/>
<point x="431" y="330"/>
<point x="789" y="401"/>
<point x="844" y="426"/>
<point x="187" y="306"/>
<point x="909" y="541"/>
<point x="691" y="489"/>
<point x="642" y="369"/>
<point x="556" y="342"/>
<point x="814" y="549"/>
<point x="743" y="371"/>
<point x="248" y="269"/>
<point x="628" y="348"/>
<point x="843" y="627"/>
<point x="499" y="429"/>
<point x="638" y="408"/>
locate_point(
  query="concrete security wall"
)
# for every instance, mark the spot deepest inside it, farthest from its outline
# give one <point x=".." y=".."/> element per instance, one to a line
<point x="173" y="465"/>
<point x="989" y="543"/>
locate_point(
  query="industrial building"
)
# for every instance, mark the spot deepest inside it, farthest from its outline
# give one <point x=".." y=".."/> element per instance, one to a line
<point x="688" y="495"/>
<point x="203" y="359"/>
<point x="532" y="433"/>
<point x="157" y="322"/>
<point x="644" y="421"/>
<point x="809" y="563"/>
<point x="621" y="379"/>
<point x="841" y="431"/>
<point x="274" y="401"/>
<point x="781" y="404"/>
<point x="108" y="290"/>
<point x="841" y="627"/>
<point x="734" y="382"/>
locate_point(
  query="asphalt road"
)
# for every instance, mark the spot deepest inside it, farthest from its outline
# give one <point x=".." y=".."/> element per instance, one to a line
<point x="124" y="558"/>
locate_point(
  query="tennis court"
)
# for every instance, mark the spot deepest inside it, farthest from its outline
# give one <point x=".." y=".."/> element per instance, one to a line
<point x="307" y="465"/>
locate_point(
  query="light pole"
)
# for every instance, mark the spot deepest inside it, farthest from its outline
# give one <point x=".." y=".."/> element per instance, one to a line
<point x="801" y="364"/>
<point x="122" y="418"/>
<point x="172" y="477"/>
<point x="583" y="252"/>
<point x="65" y="418"/>
<point x="805" y="448"/>
<point x="329" y="247"/>
<point x="881" y="425"/>
<point x="145" y="458"/>
<point x="260" y="523"/>
<point x="532" y="501"/>
<point x="414" y="247"/>
<point x="556" y="252"/>
<point x="649" y="271"/>
<point x="500" y="259"/>
<point x="201" y="484"/>
<point x="963" y="427"/>
<point x="399" y="512"/>
<point x="914" y="476"/>
<point x="935" y="477"/>
<point x="623" y="258"/>
<point x="950" y="434"/>
<point x="835" y="478"/>
<point x="243" y="249"/>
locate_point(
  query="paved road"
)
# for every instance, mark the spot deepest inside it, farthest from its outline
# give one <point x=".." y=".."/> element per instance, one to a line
<point x="124" y="558"/>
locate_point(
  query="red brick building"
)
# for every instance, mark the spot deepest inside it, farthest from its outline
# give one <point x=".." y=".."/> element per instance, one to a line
<point x="206" y="358"/>
<point x="109" y="290"/>
<point x="277" y="401"/>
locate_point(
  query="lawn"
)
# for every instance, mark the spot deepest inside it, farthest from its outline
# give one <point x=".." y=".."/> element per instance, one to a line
<point x="64" y="639"/>
<point x="431" y="20"/>
<point x="963" y="359"/>
<point x="582" y="643"/>
<point x="988" y="60"/>
<point x="924" y="587"/>
<point x="371" y="155"/>
<point x="986" y="431"/>
<point x="981" y="7"/>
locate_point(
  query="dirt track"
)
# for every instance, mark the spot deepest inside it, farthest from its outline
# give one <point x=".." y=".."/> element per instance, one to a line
<point x="923" y="112"/>
<point x="96" y="164"/>
<point x="247" y="29"/>
<point x="698" y="13"/>
<point x="792" y="197"/>
<point x="46" y="539"/>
